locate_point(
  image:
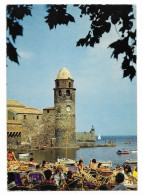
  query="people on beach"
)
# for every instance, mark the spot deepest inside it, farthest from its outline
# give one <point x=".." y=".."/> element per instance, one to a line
<point x="120" y="182"/>
<point x="11" y="159"/>
<point x="44" y="164"/>
<point x="11" y="155"/>
<point x="58" y="175"/>
<point x="65" y="179"/>
<point x="48" y="179"/>
<point x="127" y="171"/>
<point x="134" y="172"/>
<point x="93" y="165"/>
<point x="80" y="165"/>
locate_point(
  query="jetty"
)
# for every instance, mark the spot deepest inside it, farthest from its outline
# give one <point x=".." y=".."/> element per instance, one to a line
<point x="89" y="145"/>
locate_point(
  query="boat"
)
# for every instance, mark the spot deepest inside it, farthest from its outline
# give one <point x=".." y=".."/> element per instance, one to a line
<point x="99" y="137"/>
<point x="131" y="161"/>
<point x="26" y="162"/>
<point x="105" y="163"/>
<point x="128" y="143"/>
<point x="122" y="152"/>
<point x="23" y="155"/>
<point x="133" y="151"/>
<point x="66" y="161"/>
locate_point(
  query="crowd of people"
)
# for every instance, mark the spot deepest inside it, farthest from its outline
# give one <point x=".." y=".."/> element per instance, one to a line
<point x="57" y="176"/>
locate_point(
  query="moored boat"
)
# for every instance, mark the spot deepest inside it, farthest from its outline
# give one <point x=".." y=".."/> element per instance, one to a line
<point x="131" y="161"/>
<point x="133" y="151"/>
<point x="122" y="152"/>
<point x="128" y="143"/>
<point x="23" y="155"/>
<point x="66" y="161"/>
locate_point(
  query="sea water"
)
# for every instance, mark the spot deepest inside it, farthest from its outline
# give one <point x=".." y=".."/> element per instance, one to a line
<point x="99" y="153"/>
<point x="109" y="153"/>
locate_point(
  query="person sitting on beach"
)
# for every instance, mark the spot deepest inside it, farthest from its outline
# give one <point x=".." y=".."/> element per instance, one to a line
<point x="80" y="165"/>
<point x="134" y="172"/>
<point x="94" y="164"/>
<point x="44" y="164"/>
<point x="11" y="157"/>
<point x="48" y="179"/>
<point x="127" y="172"/>
<point x="104" y="187"/>
<point x="58" y="175"/>
<point x="69" y="177"/>
<point x="118" y="168"/>
<point x="120" y="182"/>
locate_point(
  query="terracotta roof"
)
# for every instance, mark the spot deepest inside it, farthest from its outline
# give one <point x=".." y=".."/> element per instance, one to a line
<point x="49" y="108"/>
<point x="26" y="110"/>
<point x="63" y="74"/>
<point x="13" y="122"/>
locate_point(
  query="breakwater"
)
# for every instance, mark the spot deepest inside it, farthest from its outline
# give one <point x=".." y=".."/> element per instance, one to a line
<point x="84" y="144"/>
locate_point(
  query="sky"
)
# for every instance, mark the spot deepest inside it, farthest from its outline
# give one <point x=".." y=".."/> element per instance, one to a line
<point x="103" y="98"/>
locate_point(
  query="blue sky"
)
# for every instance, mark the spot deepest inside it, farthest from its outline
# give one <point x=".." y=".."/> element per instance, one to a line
<point x="103" y="98"/>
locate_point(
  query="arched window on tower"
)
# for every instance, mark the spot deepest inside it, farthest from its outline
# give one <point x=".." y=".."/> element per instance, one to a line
<point x="69" y="84"/>
<point x="60" y="93"/>
<point x="68" y="93"/>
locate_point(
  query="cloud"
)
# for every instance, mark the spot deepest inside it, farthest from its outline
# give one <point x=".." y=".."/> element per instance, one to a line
<point x="26" y="54"/>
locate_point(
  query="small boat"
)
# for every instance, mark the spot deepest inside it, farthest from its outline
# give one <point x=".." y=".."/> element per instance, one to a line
<point x="105" y="163"/>
<point x="122" y="152"/>
<point x="66" y="161"/>
<point x="133" y="151"/>
<point x="128" y="143"/>
<point x="131" y="161"/>
<point x="23" y="155"/>
<point x="99" y="137"/>
<point x="26" y="162"/>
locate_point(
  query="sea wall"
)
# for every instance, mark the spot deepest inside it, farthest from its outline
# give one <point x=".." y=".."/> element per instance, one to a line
<point x="86" y="136"/>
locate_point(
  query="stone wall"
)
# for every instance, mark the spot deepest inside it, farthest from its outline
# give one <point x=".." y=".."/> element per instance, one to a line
<point x="32" y="124"/>
<point x="86" y="136"/>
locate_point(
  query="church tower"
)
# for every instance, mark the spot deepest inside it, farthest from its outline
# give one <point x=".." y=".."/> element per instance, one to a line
<point x="64" y="102"/>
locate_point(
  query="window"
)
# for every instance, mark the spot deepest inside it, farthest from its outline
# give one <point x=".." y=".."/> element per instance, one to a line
<point x="57" y="83"/>
<point x="68" y="92"/>
<point x="47" y="111"/>
<point x="60" y="93"/>
<point x="37" y="117"/>
<point x="69" y="84"/>
<point x="24" y="116"/>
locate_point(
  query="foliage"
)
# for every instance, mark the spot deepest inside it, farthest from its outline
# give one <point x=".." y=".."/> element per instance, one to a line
<point x="57" y="15"/>
<point x="15" y="13"/>
<point x="102" y="18"/>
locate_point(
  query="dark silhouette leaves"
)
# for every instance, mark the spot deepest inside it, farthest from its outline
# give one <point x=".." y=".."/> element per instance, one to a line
<point x="57" y="15"/>
<point x="15" y="13"/>
<point x="12" y="52"/>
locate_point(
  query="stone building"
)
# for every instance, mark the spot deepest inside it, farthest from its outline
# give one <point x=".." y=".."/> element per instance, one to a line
<point x="54" y="126"/>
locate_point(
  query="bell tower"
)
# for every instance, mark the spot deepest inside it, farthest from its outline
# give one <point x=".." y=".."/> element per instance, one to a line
<point x="64" y="102"/>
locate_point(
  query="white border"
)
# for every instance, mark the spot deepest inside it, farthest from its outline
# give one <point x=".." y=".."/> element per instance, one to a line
<point x="138" y="3"/>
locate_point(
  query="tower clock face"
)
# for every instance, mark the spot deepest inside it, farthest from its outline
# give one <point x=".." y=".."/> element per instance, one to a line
<point x="68" y="108"/>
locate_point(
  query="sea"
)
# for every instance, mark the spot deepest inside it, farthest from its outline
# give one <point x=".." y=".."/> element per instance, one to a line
<point x="98" y="153"/>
